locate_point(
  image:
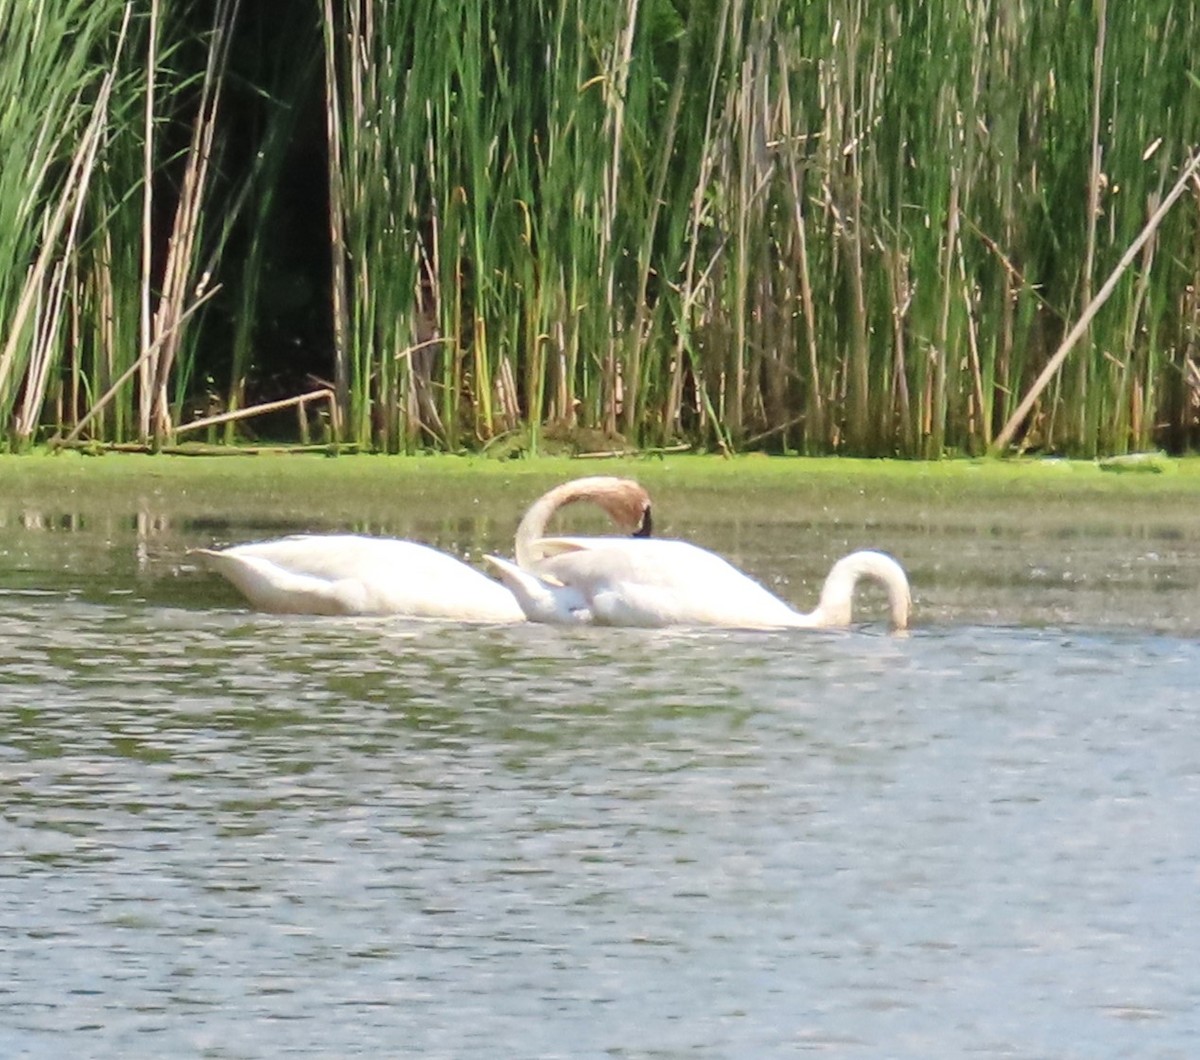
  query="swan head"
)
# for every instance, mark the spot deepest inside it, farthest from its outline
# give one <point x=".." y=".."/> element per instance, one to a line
<point x="625" y="501"/>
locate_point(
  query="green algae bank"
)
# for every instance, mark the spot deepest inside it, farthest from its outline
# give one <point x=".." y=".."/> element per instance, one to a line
<point x="234" y="834"/>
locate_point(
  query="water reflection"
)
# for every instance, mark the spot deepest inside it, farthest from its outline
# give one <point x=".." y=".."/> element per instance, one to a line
<point x="1044" y="560"/>
<point x="232" y="834"/>
<point x="237" y="834"/>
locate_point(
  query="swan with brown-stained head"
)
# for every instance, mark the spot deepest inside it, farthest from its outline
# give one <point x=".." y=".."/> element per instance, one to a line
<point x="623" y="582"/>
<point x="352" y="574"/>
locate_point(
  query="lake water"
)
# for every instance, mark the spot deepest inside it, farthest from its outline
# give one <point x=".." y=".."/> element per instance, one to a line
<point x="227" y="834"/>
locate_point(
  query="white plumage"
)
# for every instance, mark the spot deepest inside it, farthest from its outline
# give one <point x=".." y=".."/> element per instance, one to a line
<point x="349" y="574"/>
<point x="627" y="582"/>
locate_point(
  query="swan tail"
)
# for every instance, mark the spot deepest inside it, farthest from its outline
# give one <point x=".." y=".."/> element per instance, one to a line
<point x="540" y="600"/>
<point x="271" y="588"/>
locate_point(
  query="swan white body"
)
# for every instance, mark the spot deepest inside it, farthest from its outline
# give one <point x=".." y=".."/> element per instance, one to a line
<point x="348" y="574"/>
<point x="625" y="582"/>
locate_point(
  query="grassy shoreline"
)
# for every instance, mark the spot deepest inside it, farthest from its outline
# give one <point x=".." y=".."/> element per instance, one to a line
<point x="981" y="540"/>
<point x="39" y="474"/>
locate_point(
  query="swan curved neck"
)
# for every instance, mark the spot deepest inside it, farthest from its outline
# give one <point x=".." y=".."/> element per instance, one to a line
<point x="623" y="499"/>
<point x="837" y="594"/>
<point x="533" y="524"/>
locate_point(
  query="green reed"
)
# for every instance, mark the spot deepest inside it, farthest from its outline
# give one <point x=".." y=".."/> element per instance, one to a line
<point x="843" y="226"/>
<point x="827" y="227"/>
<point x="51" y="129"/>
<point x="98" y="290"/>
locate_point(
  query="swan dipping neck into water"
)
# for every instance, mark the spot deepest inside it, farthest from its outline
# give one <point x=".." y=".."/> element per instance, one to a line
<point x="352" y="574"/>
<point x="624" y="582"/>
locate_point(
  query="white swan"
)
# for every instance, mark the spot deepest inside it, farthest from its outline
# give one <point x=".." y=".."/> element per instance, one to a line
<point x="349" y="574"/>
<point x="622" y="582"/>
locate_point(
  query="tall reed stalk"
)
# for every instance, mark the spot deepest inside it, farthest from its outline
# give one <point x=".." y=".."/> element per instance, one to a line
<point x="51" y="130"/>
<point x="182" y="280"/>
<point x="829" y="227"/>
<point x="844" y="226"/>
<point x="93" y="288"/>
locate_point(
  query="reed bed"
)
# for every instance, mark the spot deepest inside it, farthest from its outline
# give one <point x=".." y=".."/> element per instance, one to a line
<point x="835" y="227"/>
<point x="844" y="227"/>
<point x="111" y="236"/>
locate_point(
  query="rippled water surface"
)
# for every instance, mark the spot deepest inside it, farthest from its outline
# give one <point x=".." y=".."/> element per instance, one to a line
<point x="227" y="834"/>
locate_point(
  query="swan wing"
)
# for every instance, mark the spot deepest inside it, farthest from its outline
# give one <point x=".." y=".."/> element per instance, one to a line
<point x="335" y="556"/>
<point x="659" y="582"/>
<point x="556" y="546"/>
<point x="350" y="574"/>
